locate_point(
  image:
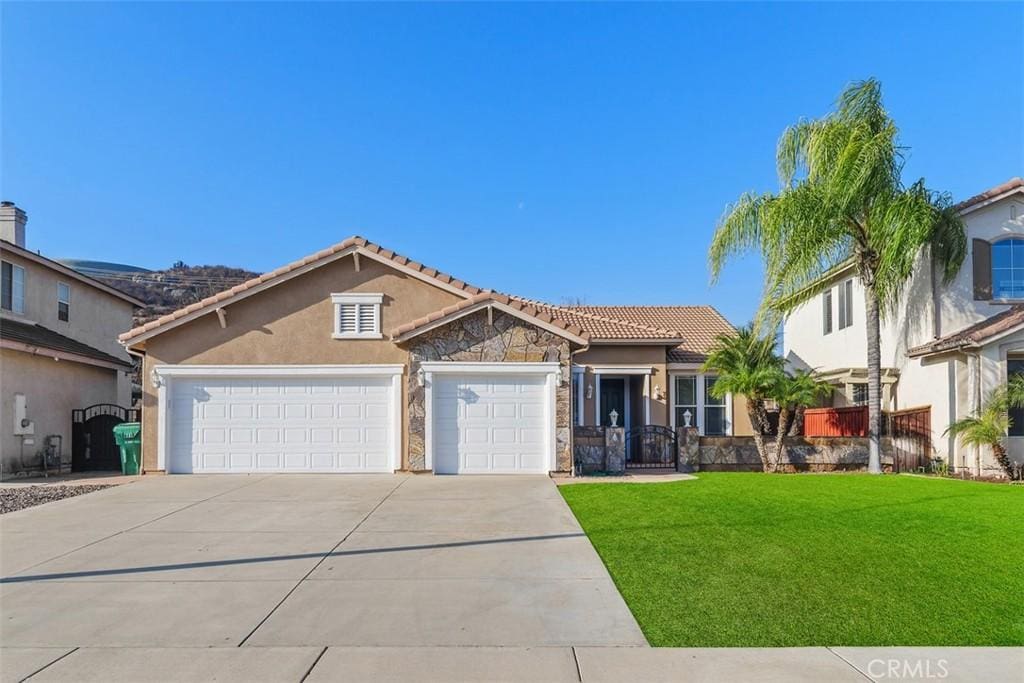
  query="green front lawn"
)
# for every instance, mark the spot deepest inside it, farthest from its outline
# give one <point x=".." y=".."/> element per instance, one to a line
<point x="743" y="559"/>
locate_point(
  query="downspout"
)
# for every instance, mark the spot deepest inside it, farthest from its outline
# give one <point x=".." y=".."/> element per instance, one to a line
<point x="975" y="398"/>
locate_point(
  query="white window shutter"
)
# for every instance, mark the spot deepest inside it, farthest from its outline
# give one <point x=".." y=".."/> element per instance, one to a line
<point x="367" y="318"/>
<point x="348" y="322"/>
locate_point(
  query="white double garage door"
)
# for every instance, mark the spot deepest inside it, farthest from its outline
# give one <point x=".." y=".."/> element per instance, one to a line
<point x="349" y="419"/>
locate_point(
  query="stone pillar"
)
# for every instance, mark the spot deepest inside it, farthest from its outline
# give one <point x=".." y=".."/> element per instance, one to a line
<point x="615" y="450"/>
<point x="688" y="449"/>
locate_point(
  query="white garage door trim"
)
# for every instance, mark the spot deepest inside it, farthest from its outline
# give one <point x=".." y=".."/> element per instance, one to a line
<point x="164" y="375"/>
<point x="551" y="371"/>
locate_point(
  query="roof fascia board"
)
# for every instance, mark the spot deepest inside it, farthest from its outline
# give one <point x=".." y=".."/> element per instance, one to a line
<point x="46" y="352"/>
<point x="69" y="272"/>
<point x="284" y="277"/>
<point x="991" y="200"/>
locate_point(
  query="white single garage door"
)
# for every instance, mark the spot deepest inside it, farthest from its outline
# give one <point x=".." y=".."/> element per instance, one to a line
<point x="281" y="424"/>
<point x="491" y="424"/>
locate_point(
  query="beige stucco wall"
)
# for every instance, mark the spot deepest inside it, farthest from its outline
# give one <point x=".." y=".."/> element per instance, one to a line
<point x="291" y="324"/>
<point x="96" y="318"/>
<point x="627" y="355"/>
<point x="52" y="389"/>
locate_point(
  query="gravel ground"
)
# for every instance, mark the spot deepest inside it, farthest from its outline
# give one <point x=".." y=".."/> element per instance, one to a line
<point x="18" y="497"/>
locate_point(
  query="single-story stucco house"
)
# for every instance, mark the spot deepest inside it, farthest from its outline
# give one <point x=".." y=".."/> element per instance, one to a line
<point x="357" y="359"/>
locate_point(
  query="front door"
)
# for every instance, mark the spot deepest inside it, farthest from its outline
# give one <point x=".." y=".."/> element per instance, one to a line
<point x="613" y="397"/>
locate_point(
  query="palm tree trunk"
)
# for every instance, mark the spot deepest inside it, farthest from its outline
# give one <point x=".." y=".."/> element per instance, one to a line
<point x="1003" y="459"/>
<point x="873" y="320"/>
<point x="797" y="427"/>
<point x="762" y="449"/>
<point x="780" y="437"/>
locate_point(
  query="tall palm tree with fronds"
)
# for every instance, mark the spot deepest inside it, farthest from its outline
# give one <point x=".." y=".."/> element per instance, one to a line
<point x="988" y="427"/>
<point x="843" y="202"/>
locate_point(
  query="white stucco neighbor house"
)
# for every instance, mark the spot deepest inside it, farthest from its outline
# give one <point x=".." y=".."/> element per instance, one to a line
<point x="947" y="346"/>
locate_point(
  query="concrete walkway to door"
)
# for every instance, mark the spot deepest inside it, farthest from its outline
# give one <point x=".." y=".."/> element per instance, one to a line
<point x="308" y="561"/>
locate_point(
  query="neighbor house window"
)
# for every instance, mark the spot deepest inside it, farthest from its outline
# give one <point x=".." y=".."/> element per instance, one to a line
<point x="357" y="315"/>
<point x="1008" y="269"/>
<point x="826" y="311"/>
<point x="845" y="304"/>
<point x="1015" y="368"/>
<point x="859" y="394"/>
<point x="577" y="398"/>
<point x="692" y="393"/>
<point x="63" y="302"/>
<point x="714" y="410"/>
<point x="12" y="287"/>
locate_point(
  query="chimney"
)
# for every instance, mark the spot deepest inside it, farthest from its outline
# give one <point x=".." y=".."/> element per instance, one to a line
<point x="12" y="223"/>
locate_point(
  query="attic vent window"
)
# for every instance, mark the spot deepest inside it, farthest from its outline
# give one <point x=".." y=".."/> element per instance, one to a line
<point x="357" y="316"/>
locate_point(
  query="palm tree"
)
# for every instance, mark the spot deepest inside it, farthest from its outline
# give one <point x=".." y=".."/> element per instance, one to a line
<point x="842" y="202"/>
<point x="746" y="363"/>
<point x="989" y="426"/>
<point x="803" y="389"/>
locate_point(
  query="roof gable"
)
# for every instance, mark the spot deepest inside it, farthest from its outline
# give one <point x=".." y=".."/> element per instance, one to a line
<point x="483" y="301"/>
<point x="71" y="273"/>
<point x="356" y="247"/>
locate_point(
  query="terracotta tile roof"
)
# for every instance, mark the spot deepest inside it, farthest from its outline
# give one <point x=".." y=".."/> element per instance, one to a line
<point x="601" y="326"/>
<point x="1011" y="184"/>
<point x="973" y="335"/>
<point x="698" y="326"/>
<point x="45" y="338"/>
<point x="355" y="241"/>
<point x="483" y="298"/>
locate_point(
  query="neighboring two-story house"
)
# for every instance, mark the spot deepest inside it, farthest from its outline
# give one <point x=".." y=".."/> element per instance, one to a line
<point x="947" y="346"/>
<point x="58" y="348"/>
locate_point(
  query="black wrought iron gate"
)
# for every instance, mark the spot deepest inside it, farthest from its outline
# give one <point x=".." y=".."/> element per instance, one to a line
<point x="92" y="436"/>
<point x="651" y="446"/>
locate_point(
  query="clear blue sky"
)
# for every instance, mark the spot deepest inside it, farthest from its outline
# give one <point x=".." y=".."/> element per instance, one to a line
<point x="547" y="150"/>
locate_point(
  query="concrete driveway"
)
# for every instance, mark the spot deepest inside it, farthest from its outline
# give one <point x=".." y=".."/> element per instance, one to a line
<point x="306" y="561"/>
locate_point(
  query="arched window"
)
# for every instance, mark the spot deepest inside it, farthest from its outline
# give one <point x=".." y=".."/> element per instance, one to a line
<point x="1008" y="269"/>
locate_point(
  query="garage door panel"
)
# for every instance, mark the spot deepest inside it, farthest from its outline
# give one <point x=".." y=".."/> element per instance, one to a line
<point x="491" y="424"/>
<point x="321" y="424"/>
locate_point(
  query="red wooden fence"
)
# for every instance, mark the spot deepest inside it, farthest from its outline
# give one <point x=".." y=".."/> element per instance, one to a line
<point x="852" y="421"/>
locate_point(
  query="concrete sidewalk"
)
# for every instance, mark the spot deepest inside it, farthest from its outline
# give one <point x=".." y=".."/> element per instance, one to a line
<point x="424" y="664"/>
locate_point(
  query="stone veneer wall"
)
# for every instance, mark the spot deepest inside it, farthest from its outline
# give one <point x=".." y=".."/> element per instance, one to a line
<point x="508" y="340"/>
<point x="802" y="454"/>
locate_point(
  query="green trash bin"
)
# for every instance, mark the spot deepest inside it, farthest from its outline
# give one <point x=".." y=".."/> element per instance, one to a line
<point x="128" y="436"/>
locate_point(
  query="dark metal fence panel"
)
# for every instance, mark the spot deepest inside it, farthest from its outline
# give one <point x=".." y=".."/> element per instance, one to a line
<point x="650" y="446"/>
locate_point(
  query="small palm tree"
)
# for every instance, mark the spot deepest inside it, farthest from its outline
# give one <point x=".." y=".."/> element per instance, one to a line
<point x="989" y="426"/>
<point x="842" y="201"/>
<point x="746" y="363"/>
<point x="804" y="389"/>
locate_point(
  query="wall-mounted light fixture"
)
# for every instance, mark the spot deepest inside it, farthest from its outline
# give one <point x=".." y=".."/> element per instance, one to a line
<point x="421" y="378"/>
<point x="590" y="391"/>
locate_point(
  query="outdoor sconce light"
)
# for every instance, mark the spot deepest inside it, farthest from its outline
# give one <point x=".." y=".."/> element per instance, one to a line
<point x="614" y="417"/>
<point x="659" y="393"/>
<point x="421" y="377"/>
<point x="590" y="391"/>
<point x="687" y="417"/>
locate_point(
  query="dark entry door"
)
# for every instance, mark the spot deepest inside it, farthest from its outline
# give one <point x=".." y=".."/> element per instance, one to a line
<point x="613" y="397"/>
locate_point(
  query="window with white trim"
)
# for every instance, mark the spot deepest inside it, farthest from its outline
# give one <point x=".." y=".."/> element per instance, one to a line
<point x="692" y="394"/>
<point x="845" y="304"/>
<point x="685" y="399"/>
<point x="714" y="410"/>
<point x="12" y="287"/>
<point x="63" y="302"/>
<point x="357" y="316"/>
<point x="826" y="311"/>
